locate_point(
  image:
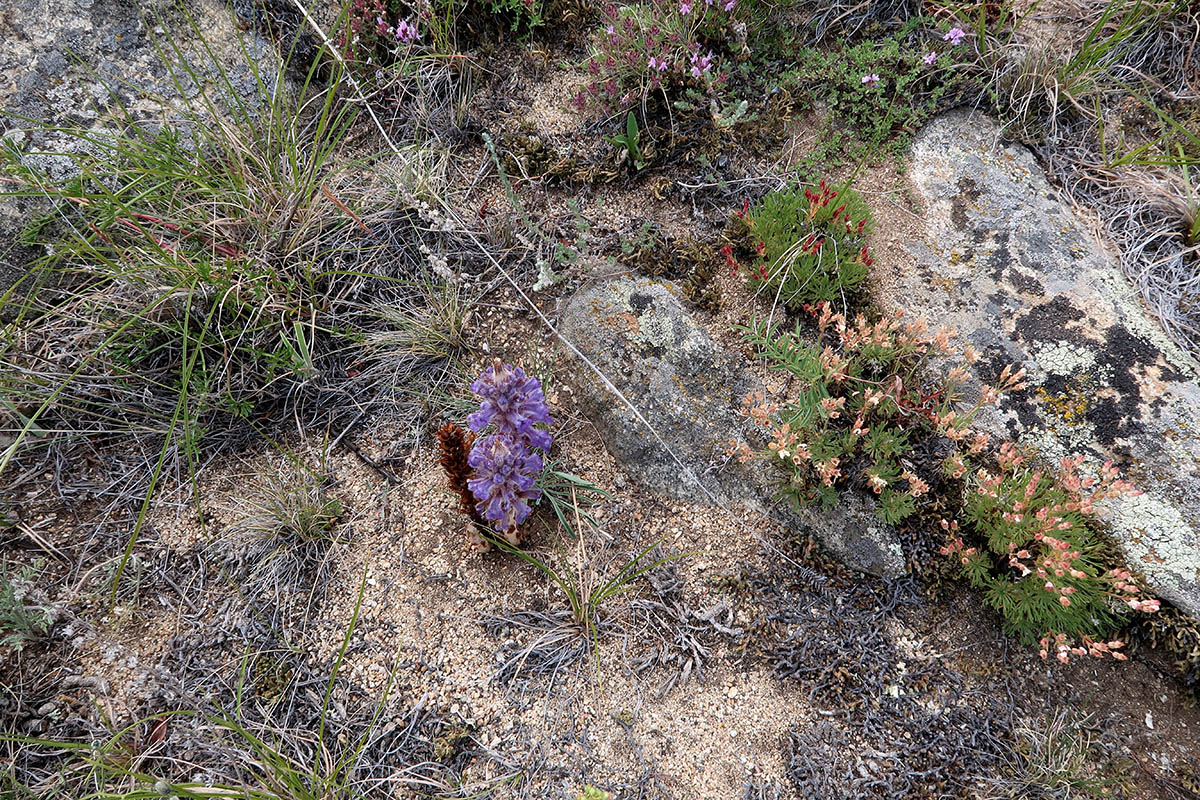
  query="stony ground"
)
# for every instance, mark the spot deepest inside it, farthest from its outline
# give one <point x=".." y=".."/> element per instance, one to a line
<point x="752" y="666"/>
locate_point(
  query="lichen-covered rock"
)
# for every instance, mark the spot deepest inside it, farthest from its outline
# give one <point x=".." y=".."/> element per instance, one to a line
<point x="86" y="64"/>
<point x="1013" y="271"/>
<point x="637" y="332"/>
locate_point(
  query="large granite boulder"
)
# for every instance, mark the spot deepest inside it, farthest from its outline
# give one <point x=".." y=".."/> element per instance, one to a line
<point x="1015" y="272"/>
<point x="689" y="391"/>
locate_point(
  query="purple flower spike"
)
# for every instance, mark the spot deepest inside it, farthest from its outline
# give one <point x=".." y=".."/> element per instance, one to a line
<point x="513" y="402"/>
<point x="504" y="474"/>
<point x="504" y="466"/>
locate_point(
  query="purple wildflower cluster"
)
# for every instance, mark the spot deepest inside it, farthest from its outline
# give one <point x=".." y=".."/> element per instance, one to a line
<point x="659" y="44"/>
<point x="504" y="464"/>
<point x="369" y="39"/>
<point x="954" y="36"/>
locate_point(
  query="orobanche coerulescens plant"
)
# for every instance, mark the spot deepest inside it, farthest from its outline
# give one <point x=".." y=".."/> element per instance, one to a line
<point x="496" y="481"/>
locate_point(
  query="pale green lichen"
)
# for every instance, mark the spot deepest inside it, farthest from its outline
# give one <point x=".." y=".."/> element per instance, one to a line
<point x="655" y="329"/>
<point x="1063" y="358"/>
<point x="1056" y="442"/>
<point x="1154" y="537"/>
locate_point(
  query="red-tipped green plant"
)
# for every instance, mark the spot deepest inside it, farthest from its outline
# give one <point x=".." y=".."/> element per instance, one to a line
<point x="804" y="245"/>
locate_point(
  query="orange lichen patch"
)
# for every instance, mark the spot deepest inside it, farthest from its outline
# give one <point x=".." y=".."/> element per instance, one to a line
<point x="625" y="320"/>
<point x="1151" y="385"/>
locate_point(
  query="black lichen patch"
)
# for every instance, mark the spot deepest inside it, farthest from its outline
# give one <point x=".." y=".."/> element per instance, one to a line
<point x="1120" y="359"/>
<point x="1127" y="356"/>
<point x="1048" y="323"/>
<point x="1111" y="417"/>
<point x="653" y="351"/>
<point x="1005" y="272"/>
<point x="1019" y="403"/>
<point x="640" y="302"/>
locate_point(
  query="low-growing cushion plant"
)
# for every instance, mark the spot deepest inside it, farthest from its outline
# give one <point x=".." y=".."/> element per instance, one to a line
<point x="802" y="245"/>
<point x="863" y="400"/>
<point x="1041" y="566"/>
<point x="876" y="93"/>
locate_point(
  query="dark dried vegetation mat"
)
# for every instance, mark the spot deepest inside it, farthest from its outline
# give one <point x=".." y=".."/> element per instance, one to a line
<point x="889" y="724"/>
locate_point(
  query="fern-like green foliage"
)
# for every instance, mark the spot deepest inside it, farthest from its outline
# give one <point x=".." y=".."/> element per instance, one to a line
<point x="806" y="245"/>
<point x="1006" y="515"/>
<point x="837" y="425"/>
<point x="894" y="507"/>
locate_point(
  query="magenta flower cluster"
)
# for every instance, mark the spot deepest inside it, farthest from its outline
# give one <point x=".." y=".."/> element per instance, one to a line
<point x="660" y="44"/>
<point x="954" y="36"/>
<point x="503" y="463"/>
<point x="369" y="40"/>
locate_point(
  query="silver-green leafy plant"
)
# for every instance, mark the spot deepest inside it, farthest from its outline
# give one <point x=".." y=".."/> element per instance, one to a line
<point x="20" y="621"/>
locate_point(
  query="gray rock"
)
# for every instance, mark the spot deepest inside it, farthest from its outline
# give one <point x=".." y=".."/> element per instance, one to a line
<point x="87" y="64"/>
<point x="77" y="62"/>
<point x="1014" y="272"/>
<point x="690" y="392"/>
<point x="851" y="530"/>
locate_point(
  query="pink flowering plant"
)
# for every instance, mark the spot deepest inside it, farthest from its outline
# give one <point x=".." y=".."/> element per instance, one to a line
<point x="803" y="245"/>
<point x="1039" y="562"/>
<point x="377" y="37"/>
<point x="864" y="400"/>
<point x="882" y="89"/>
<point x="659" y="47"/>
<point x="870" y="396"/>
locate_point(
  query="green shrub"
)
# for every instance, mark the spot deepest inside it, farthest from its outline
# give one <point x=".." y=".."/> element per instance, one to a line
<point x="378" y="37"/>
<point x="874" y="401"/>
<point x="806" y="246"/>
<point x="520" y="14"/>
<point x="879" y="90"/>
<point x="864" y="398"/>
